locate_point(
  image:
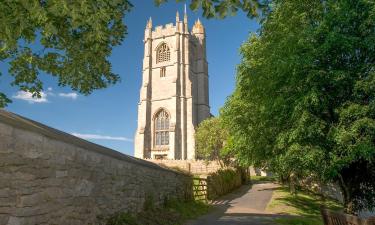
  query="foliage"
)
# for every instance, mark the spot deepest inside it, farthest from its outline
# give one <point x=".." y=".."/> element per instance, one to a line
<point x="222" y="182"/>
<point x="174" y="213"/>
<point x="262" y="179"/>
<point x="122" y="219"/>
<point x="70" y="40"/>
<point x="223" y="8"/>
<point x="305" y="205"/>
<point x="299" y="221"/>
<point x="210" y="138"/>
<point x="188" y="210"/>
<point x="304" y="102"/>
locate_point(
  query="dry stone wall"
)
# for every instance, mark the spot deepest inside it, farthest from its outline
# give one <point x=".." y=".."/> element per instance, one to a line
<point x="52" y="178"/>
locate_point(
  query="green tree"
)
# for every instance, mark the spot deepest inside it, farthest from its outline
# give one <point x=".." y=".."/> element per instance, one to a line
<point x="224" y="8"/>
<point x="70" y="40"/>
<point x="210" y="139"/>
<point x="304" y="103"/>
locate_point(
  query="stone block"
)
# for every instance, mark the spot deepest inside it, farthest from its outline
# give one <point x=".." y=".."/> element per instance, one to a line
<point x="15" y="221"/>
<point x="5" y="130"/>
<point x="3" y="218"/>
<point x="29" y="145"/>
<point x="31" y="200"/>
<point x="5" y="192"/>
<point x="9" y="202"/>
<point x="6" y="144"/>
<point x="61" y="173"/>
<point x="83" y="188"/>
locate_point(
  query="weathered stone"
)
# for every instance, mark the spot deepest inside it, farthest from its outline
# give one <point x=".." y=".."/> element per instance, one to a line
<point x="60" y="173"/>
<point x="5" y="130"/>
<point x="174" y="88"/>
<point x="7" y="202"/>
<point x="5" y="192"/>
<point x="3" y="218"/>
<point x="6" y="144"/>
<point x="83" y="188"/>
<point x="14" y="221"/>
<point x="70" y="181"/>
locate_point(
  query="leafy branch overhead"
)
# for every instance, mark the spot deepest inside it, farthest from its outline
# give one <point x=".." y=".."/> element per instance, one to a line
<point x="70" y="40"/>
<point x="224" y="8"/>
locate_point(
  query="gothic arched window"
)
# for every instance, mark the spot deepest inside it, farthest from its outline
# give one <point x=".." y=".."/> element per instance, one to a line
<point x="162" y="128"/>
<point x="162" y="53"/>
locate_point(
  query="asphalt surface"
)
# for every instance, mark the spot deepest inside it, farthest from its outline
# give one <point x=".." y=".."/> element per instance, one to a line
<point x="244" y="206"/>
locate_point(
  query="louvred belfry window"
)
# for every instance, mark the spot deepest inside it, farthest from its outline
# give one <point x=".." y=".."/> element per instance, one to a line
<point x="162" y="53"/>
<point x="162" y="128"/>
<point x="162" y="72"/>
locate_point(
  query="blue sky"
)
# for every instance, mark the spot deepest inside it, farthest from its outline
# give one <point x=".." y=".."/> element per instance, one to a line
<point x="109" y="116"/>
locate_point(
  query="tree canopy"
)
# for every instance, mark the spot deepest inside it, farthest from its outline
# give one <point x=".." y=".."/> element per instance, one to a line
<point x="224" y="8"/>
<point x="304" y="102"/>
<point x="210" y="140"/>
<point x="71" y="40"/>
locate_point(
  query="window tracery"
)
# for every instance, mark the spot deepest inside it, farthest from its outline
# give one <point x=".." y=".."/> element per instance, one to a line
<point x="162" y="128"/>
<point x="162" y="53"/>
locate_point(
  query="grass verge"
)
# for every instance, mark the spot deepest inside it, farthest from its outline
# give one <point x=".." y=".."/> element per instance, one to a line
<point x="173" y="213"/>
<point x="299" y="221"/>
<point x="304" y="205"/>
<point x="262" y="179"/>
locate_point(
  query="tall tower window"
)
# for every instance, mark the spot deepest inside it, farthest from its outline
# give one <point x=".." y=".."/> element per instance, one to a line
<point x="162" y="53"/>
<point x="162" y="128"/>
<point x="162" y="72"/>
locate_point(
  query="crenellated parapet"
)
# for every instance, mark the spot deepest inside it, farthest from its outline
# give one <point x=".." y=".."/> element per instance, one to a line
<point x="166" y="30"/>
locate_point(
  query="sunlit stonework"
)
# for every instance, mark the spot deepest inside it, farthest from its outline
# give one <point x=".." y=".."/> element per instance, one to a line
<point x="174" y="93"/>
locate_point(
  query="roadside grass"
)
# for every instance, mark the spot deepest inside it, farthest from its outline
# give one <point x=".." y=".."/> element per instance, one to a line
<point x="299" y="221"/>
<point x="305" y="206"/>
<point x="173" y="213"/>
<point x="189" y="210"/>
<point x="262" y="179"/>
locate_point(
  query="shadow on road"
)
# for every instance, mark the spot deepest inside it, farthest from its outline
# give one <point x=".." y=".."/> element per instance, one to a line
<point x="243" y="206"/>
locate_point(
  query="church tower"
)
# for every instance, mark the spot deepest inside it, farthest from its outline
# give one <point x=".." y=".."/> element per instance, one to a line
<point x="174" y="92"/>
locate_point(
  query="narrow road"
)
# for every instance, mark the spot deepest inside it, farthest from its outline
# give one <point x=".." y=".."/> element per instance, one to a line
<point x="244" y="206"/>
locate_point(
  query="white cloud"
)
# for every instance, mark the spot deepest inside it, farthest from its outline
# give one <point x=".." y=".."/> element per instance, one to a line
<point x="49" y="91"/>
<point x="71" y="95"/>
<point x="101" y="137"/>
<point x="27" y="96"/>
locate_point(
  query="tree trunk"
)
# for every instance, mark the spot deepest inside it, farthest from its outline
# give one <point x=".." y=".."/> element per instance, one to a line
<point x="292" y="184"/>
<point x="348" y="201"/>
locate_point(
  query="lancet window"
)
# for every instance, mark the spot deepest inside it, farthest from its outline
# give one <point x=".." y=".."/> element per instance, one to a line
<point x="162" y="128"/>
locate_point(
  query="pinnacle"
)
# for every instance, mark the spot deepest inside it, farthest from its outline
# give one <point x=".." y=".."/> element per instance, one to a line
<point x="149" y="23"/>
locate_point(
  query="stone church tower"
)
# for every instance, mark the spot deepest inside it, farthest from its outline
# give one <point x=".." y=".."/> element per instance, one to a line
<point x="174" y="92"/>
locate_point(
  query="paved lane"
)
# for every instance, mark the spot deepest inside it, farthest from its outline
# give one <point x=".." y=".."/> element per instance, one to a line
<point x="242" y="207"/>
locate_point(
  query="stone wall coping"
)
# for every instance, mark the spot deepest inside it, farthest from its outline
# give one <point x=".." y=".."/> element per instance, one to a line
<point x="21" y="122"/>
<point x="181" y="160"/>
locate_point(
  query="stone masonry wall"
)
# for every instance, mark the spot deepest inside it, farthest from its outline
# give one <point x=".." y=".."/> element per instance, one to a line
<point x="48" y="177"/>
<point x="200" y="167"/>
